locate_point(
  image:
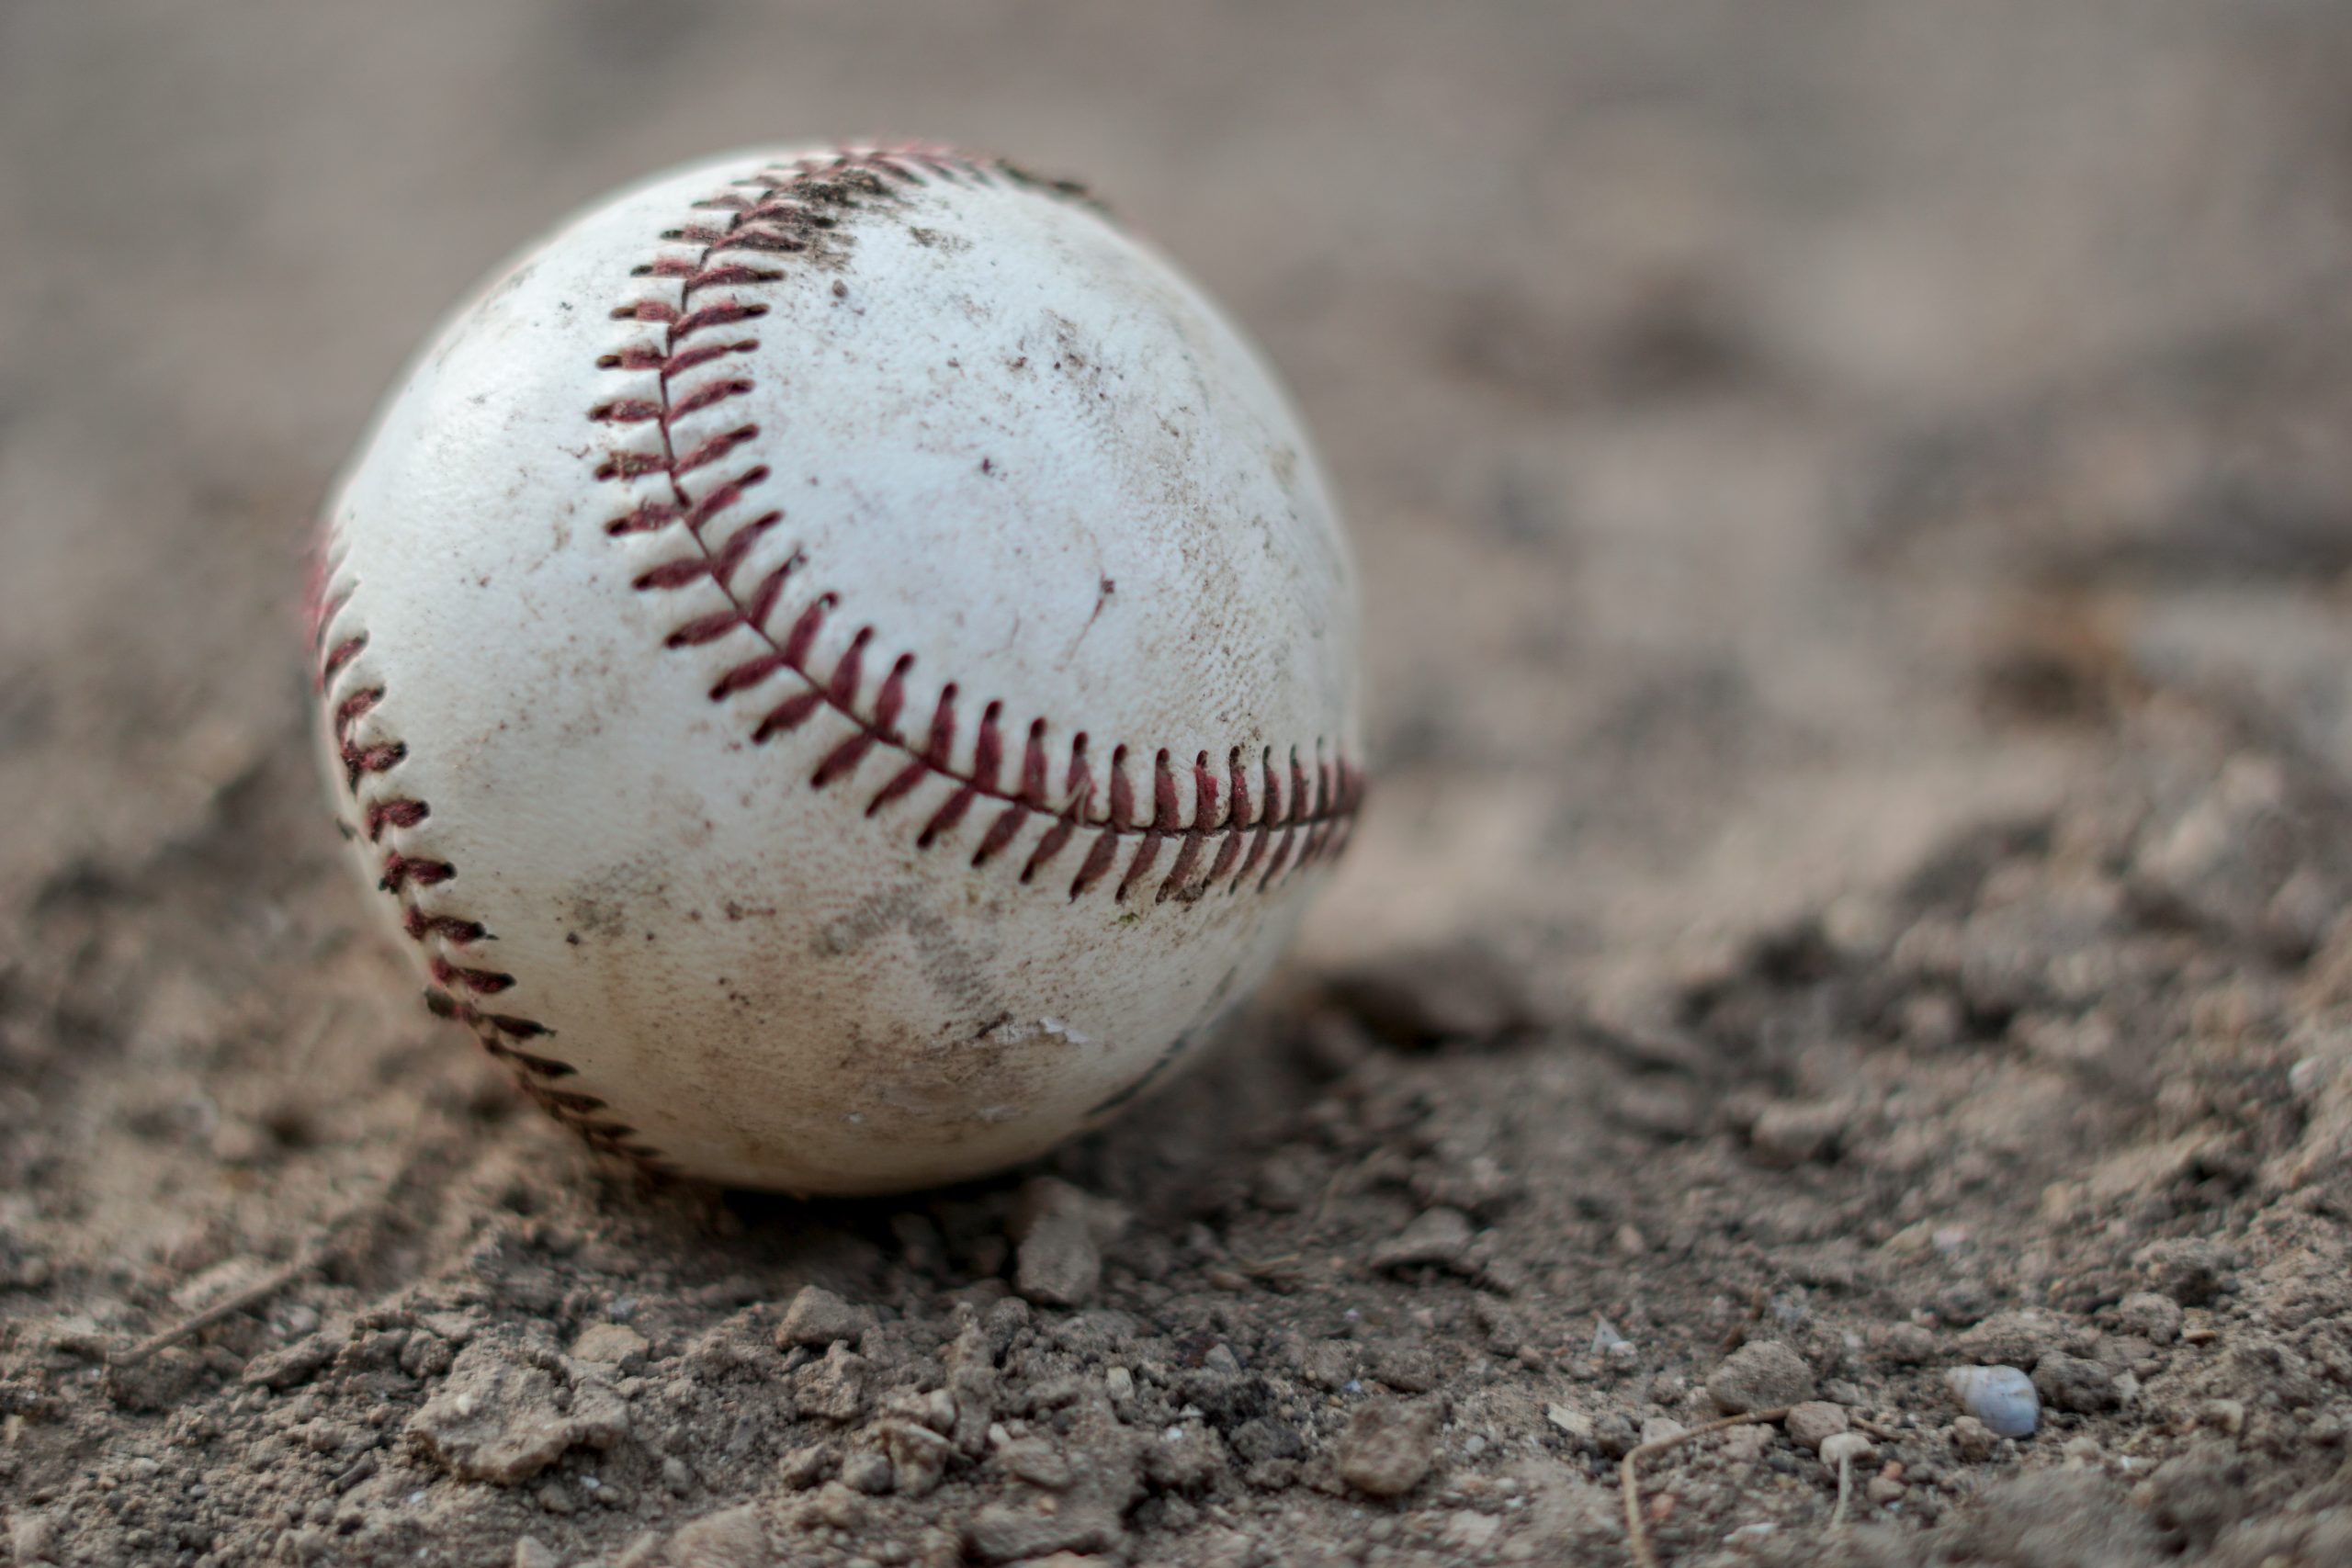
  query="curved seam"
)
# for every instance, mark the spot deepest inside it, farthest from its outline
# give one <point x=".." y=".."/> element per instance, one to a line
<point x="455" y="986"/>
<point x="1282" y="830"/>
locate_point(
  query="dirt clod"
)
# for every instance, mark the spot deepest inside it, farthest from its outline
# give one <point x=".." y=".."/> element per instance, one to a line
<point x="1789" y="1134"/>
<point x="817" y="1317"/>
<point x="1440" y="1236"/>
<point x="2017" y="1338"/>
<point x="33" y="1536"/>
<point x="1973" y="1441"/>
<point x="1763" y="1375"/>
<point x="727" y="1537"/>
<point x="2200" y="1493"/>
<point x="503" y="1418"/>
<point x="834" y="1389"/>
<point x="1388" y="1448"/>
<point x="2070" y="1382"/>
<point x="2154" y="1318"/>
<point x="607" y="1345"/>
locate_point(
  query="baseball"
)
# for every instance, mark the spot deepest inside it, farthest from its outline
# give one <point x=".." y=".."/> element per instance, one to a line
<point x="842" y="667"/>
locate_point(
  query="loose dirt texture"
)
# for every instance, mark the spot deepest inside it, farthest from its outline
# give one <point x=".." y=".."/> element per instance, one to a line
<point x="1856" y="509"/>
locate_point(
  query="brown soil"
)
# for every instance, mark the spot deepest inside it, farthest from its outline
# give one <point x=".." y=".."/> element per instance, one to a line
<point x="1857" y="512"/>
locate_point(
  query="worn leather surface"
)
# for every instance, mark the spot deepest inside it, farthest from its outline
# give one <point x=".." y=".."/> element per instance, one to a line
<point x="766" y="548"/>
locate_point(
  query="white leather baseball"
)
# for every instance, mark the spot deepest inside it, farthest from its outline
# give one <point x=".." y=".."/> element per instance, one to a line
<point x="843" y="665"/>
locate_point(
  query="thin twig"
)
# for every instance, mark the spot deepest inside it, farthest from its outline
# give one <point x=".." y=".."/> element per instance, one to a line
<point x="253" y="1294"/>
<point x="1845" y="1488"/>
<point x="313" y="1254"/>
<point x="1637" y="1534"/>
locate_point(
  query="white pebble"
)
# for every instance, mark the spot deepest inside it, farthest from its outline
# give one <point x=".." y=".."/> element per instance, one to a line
<point x="2001" y="1398"/>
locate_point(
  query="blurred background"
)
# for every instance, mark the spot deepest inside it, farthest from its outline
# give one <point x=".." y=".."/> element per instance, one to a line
<point x="1781" y="441"/>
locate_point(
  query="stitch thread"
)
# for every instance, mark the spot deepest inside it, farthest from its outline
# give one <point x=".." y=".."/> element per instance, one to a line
<point x="1284" y="829"/>
<point x="455" y="986"/>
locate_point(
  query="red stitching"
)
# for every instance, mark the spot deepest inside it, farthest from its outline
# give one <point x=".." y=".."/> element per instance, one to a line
<point x="1057" y="836"/>
<point x="1097" y="860"/>
<point x="403" y="871"/>
<point x="396" y="812"/>
<point x="340" y="655"/>
<point x="481" y="982"/>
<point x="455" y="986"/>
<point x="758" y="213"/>
<point x="453" y="929"/>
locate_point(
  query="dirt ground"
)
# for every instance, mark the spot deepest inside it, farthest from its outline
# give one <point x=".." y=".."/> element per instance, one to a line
<point x="1855" y="502"/>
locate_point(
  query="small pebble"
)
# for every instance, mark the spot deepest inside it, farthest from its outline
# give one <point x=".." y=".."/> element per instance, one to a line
<point x="731" y="1536"/>
<point x="1574" y="1423"/>
<point x="1961" y="1302"/>
<point x="817" y="1317"/>
<point x="1060" y="1231"/>
<point x="835" y="1388"/>
<point x="1746" y="1445"/>
<point x="611" y="1344"/>
<point x="1974" y="1440"/>
<point x="1789" y="1133"/>
<point x="802" y="1468"/>
<point x="2069" y="1382"/>
<point x="1036" y="1461"/>
<point x="868" y="1472"/>
<point x="1814" y="1423"/>
<point x="1437" y="1236"/>
<point x="1763" y="1375"/>
<point x="2152" y="1317"/>
<point x="1388" y="1448"/>
<point x="2003" y="1398"/>
<point x="2013" y="1338"/>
